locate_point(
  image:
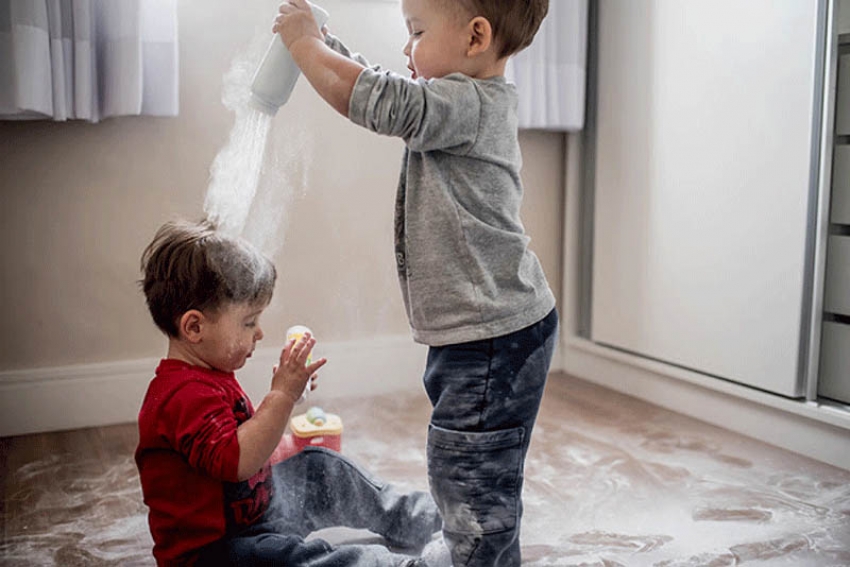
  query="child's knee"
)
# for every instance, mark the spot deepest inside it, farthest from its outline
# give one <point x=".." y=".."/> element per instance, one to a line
<point x="476" y="478"/>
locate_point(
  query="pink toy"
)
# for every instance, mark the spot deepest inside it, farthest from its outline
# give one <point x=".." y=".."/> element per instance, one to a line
<point x="314" y="428"/>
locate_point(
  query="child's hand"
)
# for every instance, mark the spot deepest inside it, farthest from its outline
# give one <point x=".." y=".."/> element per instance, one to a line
<point x="295" y="21"/>
<point x="292" y="373"/>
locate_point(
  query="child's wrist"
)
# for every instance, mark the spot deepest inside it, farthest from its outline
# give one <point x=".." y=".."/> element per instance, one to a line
<point x="276" y="397"/>
<point x="304" y="44"/>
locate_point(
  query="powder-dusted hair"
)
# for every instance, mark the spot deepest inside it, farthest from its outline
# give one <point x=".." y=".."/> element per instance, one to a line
<point x="192" y="266"/>
<point x="514" y="22"/>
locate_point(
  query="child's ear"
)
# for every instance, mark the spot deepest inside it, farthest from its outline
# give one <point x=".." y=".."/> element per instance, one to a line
<point x="190" y="325"/>
<point x="480" y="36"/>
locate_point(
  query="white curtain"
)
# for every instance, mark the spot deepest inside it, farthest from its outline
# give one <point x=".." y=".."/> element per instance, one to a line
<point x="550" y="74"/>
<point x="88" y="59"/>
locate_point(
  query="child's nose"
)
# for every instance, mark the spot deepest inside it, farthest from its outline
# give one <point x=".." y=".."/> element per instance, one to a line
<point x="258" y="336"/>
<point x="406" y="49"/>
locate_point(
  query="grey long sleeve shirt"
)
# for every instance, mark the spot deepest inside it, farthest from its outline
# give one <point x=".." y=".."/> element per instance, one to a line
<point x="464" y="265"/>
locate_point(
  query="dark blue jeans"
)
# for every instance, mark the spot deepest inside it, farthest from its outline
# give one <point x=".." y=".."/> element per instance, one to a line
<point x="319" y="488"/>
<point x="485" y="396"/>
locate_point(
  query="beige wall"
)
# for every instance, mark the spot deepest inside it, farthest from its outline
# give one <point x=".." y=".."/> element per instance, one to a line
<point x="78" y="202"/>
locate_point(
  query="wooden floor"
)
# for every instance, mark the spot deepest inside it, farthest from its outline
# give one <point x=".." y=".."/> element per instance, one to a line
<point x="609" y="481"/>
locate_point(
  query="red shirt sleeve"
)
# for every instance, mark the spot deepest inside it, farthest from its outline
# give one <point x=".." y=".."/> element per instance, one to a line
<point x="199" y="420"/>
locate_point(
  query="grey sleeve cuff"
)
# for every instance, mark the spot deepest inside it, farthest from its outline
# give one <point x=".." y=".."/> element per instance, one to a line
<point x="334" y="43"/>
<point x="358" y="104"/>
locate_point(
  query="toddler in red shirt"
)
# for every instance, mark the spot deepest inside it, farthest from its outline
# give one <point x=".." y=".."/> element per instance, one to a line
<point x="203" y="453"/>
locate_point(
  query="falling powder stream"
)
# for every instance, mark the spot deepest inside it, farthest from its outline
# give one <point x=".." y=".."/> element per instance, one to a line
<point x="235" y="173"/>
<point x="251" y="178"/>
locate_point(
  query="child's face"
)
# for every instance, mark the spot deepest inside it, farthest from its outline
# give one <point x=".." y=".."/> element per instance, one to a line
<point x="437" y="44"/>
<point x="230" y="337"/>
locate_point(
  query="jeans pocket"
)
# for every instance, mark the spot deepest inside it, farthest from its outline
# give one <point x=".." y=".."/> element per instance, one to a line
<point x="475" y="478"/>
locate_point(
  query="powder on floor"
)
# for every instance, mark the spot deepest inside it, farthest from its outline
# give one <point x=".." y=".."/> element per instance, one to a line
<point x="94" y="516"/>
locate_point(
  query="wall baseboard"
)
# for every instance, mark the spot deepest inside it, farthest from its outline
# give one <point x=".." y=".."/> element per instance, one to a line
<point x="93" y="395"/>
<point x="71" y="397"/>
<point x="818" y="431"/>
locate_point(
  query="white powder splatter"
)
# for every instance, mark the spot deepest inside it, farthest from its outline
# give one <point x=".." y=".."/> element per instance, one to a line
<point x="91" y="514"/>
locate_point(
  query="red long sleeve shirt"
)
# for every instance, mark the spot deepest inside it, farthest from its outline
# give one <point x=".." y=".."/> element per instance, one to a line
<point x="188" y="457"/>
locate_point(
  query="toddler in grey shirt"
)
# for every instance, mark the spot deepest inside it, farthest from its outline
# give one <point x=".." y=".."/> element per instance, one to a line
<point x="473" y="290"/>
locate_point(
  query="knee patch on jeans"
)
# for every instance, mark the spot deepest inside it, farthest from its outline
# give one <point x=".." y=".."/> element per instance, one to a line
<point x="474" y="478"/>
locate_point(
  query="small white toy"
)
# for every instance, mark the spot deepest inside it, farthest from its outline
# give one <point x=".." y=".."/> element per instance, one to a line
<point x="295" y="333"/>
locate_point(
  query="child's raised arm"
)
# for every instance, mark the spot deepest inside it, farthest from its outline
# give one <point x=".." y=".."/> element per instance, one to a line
<point x="331" y="74"/>
<point x="260" y="435"/>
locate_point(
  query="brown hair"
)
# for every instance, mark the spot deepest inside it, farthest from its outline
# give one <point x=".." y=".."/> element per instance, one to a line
<point x="192" y="266"/>
<point x="514" y="22"/>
